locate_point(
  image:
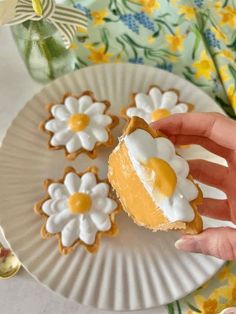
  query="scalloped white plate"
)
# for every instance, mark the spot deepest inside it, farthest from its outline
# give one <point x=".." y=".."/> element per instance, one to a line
<point x="136" y="270"/>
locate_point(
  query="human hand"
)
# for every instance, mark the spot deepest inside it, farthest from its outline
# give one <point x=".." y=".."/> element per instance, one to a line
<point x="217" y="134"/>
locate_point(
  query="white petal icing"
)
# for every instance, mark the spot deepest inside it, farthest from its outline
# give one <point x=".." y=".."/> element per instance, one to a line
<point x="141" y="146"/>
<point x="155" y="99"/>
<point x="106" y="205"/>
<point x="61" y="137"/>
<point x="88" y="181"/>
<point x="101" y="119"/>
<point x="100" y="134"/>
<point x="165" y="148"/>
<point x="60" y="112"/>
<point x="78" y="226"/>
<point x="55" y="125"/>
<point x="100" y="189"/>
<point x="96" y="108"/>
<point x="180" y="108"/>
<point x="87" y="138"/>
<point x="156" y="96"/>
<point x="51" y="206"/>
<point x="169" y="100"/>
<point x="144" y="102"/>
<point x="137" y="112"/>
<point x="187" y="188"/>
<point x="84" y="103"/>
<point x="101" y="221"/>
<point x="88" y="230"/>
<point x="70" y="232"/>
<point x="180" y="166"/>
<point x="73" y="144"/>
<point x="57" y="191"/>
<point x="71" y="104"/>
<point x="142" y="149"/>
<point x="72" y="182"/>
<point x="55" y="223"/>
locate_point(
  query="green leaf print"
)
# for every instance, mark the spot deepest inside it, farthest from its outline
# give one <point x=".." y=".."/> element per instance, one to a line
<point x="193" y="308"/>
<point x="160" y="21"/>
<point x="170" y="308"/>
<point x="104" y="38"/>
<point x="226" y="107"/>
<point x="125" y="3"/>
<point x="225" y="3"/>
<point x="233" y="43"/>
<point x="189" y="78"/>
<point x="197" y="40"/>
<point x="233" y="73"/>
<point x="114" y="8"/>
<point x="178" y="307"/>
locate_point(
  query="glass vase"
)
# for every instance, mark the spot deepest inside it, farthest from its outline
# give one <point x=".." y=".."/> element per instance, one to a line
<point x="43" y="50"/>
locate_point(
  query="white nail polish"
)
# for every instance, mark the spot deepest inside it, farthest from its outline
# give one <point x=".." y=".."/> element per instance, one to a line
<point x="229" y="310"/>
<point x="178" y="243"/>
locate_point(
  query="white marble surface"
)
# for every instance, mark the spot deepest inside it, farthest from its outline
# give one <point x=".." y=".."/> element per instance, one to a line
<point x="22" y="294"/>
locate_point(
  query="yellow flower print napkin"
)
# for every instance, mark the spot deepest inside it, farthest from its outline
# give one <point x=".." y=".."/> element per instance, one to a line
<point x="195" y="39"/>
<point x="213" y="297"/>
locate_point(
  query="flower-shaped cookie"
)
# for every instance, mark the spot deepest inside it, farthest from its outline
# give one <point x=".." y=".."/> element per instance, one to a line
<point x="155" y="105"/>
<point x="80" y="124"/>
<point x="78" y="208"/>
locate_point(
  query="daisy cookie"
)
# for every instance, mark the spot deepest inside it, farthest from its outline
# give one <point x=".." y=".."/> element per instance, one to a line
<point x="154" y="186"/>
<point x="79" y="209"/>
<point x="155" y="105"/>
<point x="80" y="124"/>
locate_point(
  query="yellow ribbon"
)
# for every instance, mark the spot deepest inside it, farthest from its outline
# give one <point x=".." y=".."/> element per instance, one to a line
<point x="37" y="6"/>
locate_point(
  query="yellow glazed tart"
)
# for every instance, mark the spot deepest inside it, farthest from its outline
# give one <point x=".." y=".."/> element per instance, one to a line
<point x="153" y="182"/>
<point x="79" y="124"/>
<point x="78" y="209"/>
<point x="155" y="105"/>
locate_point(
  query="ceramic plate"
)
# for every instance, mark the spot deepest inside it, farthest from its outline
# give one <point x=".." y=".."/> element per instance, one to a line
<point x="136" y="270"/>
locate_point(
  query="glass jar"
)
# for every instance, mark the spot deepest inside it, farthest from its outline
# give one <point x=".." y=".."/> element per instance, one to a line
<point x="43" y="50"/>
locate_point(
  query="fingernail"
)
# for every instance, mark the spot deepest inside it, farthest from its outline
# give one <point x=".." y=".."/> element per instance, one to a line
<point x="187" y="244"/>
<point x="230" y="310"/>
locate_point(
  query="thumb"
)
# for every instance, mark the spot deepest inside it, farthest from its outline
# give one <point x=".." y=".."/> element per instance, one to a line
<point x="218" y="242"/>
<point x="229" y="310"/>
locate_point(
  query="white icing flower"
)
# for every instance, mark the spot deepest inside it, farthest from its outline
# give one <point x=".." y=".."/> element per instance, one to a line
<point x="156" y="105"/>
<point x="79" y="123"/>
<point x="78" y="208"/>
<point x="141" y="147"/>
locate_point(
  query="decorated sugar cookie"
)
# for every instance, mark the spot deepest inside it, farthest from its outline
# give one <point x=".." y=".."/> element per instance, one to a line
<point x="78" y="209"/>
<point x="155" y="105"/>
<point x="154" y="186"/>
<point x="79" y="124"/>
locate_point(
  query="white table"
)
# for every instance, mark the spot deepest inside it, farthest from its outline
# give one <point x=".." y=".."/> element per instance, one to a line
<point x="22" y="294"/>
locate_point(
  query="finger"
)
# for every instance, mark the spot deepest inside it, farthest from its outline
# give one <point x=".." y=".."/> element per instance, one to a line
<point x="218" y="242"/>
<point x="208" y="144"/>
<point x="218" y="209"/>
<point x="229" y="310"/>
<point x="209" y="173"/>
<point x="214" y="126"/>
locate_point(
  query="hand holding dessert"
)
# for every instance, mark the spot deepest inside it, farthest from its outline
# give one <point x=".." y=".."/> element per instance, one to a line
<point x="217" y="134"/>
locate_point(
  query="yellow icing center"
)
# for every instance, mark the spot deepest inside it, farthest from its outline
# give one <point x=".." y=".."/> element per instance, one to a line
<point x="160" y="114"/>
<point x="165" y="176"/>
<point x="78" y="122"/>
<point x="79" y="203"/>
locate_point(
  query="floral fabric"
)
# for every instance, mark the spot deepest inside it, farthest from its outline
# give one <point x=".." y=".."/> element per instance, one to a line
<point x="213" y="297"/>
<point x="195" y="39"/>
